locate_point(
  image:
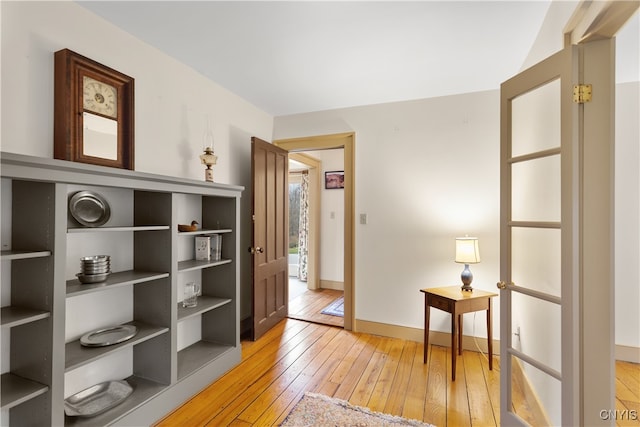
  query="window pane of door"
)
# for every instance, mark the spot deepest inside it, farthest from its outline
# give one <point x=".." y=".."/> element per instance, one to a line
<point x="536" y="259"/>
<point x="537" y="323"/>
<point x="535" y="395"/>
<point x="535" y="122"/>
<point x="536" y="190"/>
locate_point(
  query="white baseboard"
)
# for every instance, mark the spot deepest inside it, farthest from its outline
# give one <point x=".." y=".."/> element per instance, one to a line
<point x="628" y="354"/>
<point x="330" y="284"/>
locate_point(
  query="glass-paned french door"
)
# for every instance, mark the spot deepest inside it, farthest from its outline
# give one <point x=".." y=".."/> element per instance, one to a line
<point x="537" y="217"/>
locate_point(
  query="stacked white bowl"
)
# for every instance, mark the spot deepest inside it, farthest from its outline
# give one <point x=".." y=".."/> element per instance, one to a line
<point x="94" y="269"/>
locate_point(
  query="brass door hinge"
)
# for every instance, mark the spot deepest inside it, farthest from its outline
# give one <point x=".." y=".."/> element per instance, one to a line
<point x="581" y="93"/>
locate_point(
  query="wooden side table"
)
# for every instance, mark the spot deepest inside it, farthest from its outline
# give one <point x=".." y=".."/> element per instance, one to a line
<point x="454" y="300"/>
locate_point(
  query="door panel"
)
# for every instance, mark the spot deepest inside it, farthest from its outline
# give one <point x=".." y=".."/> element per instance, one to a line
<point x="269" y="236"/>
<point x="537" y="160"/>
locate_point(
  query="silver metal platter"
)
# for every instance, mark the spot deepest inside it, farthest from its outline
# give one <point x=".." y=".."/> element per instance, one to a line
<point x="89" y="209"/>
<point x="109" y="336"/>
<point x="97" y="399"/>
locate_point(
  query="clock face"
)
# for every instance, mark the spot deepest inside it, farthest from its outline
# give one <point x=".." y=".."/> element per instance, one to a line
<point x="99" y="97"/>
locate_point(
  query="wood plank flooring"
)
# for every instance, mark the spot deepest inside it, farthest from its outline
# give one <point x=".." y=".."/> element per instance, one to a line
<point x="384" y="374"/>
<point x="308" y="306"/>
<point x="628" y="393"/>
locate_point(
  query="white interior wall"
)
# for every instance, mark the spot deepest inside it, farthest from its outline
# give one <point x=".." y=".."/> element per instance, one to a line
<point x="426" y="172"/>
<point x="172" y="101"/>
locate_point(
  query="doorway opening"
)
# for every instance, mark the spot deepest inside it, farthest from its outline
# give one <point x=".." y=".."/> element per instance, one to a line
<point x="346" y="141"/>
<point x="315" y="285"/>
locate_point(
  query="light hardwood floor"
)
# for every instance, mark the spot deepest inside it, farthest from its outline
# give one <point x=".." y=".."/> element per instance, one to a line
<point x="384" y="374"/>
<point x="308" y="306"/>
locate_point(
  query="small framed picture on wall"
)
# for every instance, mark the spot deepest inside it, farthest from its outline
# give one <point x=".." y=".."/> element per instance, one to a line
<point x="333" y="180"/>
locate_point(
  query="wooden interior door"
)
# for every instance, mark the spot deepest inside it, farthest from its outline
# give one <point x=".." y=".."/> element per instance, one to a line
<point x="270" y="217"/>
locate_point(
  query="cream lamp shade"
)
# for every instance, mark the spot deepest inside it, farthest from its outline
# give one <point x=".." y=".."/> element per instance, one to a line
<point x="467" y="252"/>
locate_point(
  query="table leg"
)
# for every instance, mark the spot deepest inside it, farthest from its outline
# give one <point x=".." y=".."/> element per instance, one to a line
<point x="426" y="328"/>
<point x="454" y="339"/>
<point x="460" y="334"/>
<point x="490" y="335"/>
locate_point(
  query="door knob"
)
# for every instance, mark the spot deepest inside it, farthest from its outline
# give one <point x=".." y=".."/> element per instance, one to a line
<point x="256" y="250"/>
<point x="503" y="285"/>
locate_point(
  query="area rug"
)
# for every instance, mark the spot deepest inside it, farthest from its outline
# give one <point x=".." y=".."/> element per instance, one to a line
<point x="336" y="308"/>
<point x="323" y="411"/>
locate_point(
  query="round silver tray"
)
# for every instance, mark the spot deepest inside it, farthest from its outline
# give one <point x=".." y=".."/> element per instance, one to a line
<point x="89" y="209"/>
<point x="108" y="336"/>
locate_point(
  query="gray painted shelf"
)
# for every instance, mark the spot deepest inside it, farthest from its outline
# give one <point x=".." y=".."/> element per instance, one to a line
<point x="15" y="255"/>
<point x="17" y="390"/>
<point x="143" y="390"/>
<point x="16" y="316"/>
<point x="190" y="358"/>
<point x="205" y="303"/>
<point x="121" y="278"/>
<point x="204" y="232"/>
<point x="77" y="355"/>
<point x="116" y="229"/>
<point x="33" y="389"/>
<point x="193" y="264"/>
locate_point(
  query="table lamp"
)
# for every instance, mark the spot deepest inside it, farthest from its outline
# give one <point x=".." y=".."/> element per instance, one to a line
<point x="467" y="252"/>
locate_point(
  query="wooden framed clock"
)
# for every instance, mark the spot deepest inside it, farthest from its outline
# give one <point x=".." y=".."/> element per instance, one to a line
<point x="93" y="112"/>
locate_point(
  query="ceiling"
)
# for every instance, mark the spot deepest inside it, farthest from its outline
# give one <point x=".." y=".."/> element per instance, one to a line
<point x="288" y="57"/>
